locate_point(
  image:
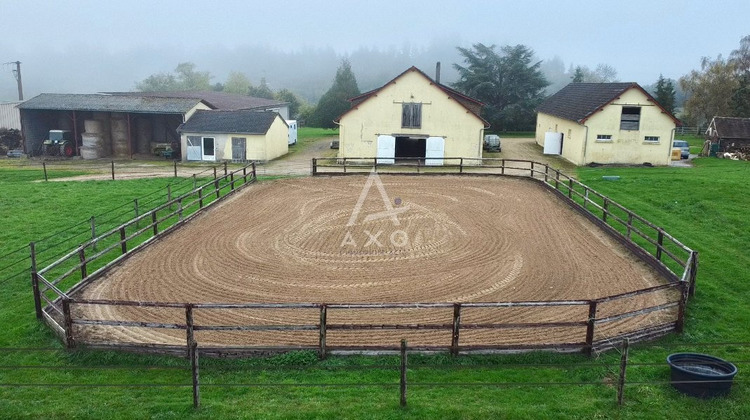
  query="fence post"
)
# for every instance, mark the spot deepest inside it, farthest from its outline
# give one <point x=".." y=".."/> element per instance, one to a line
<point x="376" y="164"/>
<point x="590" y="328"/>
<point x="502" y="166"/>
<point x="557" y="179"/>
<point x="135" y="207"/>
<point x="225" y="168"/>
<point x="659" y="242"/>
<point x="314" y="166"/>
<point x="623" y="368"/>
<point x="254" y="175"/>
<point x="546" y="173"/>
<point x="93" y="233"/>
<point x="570" y="188"/>
<point x="605" y="209"/>
<point x="123" y="242"/>
<point x="693" y="273"/>
<point x="113" y="170"/>
<point x="322" y="338"/>
<point x="231" y="181"/>
<point x="154" y="222"/>
<point x="460" y="166"/>
<point x="403" y="373"/>
<point x="175" y="168"/>
<point x="214" y="172"/>
<point x="82" y="258"/>
<point x="189" y="336"/>
<point x="532" y="169"/>
<point x="630" y="223"/>
<point x="216" y="187"/>
<point x="44" y="166"/>
<point x="684" y="290"/>
<point x="456" y="328"/>
<point x="68" y="324"/>
<point x="35" y="282"/>
<point x="196" y="374"/>
<point x="200" y="198"/>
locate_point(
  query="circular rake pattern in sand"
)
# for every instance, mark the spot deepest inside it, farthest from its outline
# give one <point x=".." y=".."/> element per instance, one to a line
<point x="418" y="239"/>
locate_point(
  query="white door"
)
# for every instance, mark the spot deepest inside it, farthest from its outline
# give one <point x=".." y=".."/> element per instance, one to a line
<point x="552" y="143"/>
<point x="209" y="148"/>
<point x="386" y="150"/>
<point x="194" y="148"/>
<point x="434" y="151"/>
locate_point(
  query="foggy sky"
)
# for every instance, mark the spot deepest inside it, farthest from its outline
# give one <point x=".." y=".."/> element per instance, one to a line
<point x="90" y="46"/>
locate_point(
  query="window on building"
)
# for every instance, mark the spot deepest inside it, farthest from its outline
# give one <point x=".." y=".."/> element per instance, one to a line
<point x="411" y="115"/>
<point x="651" y="139"/>
<point x="631" y="118"/>
<point x="604" y="137"/>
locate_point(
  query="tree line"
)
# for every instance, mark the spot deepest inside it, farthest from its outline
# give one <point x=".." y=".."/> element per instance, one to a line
<point x="508" y="80"/>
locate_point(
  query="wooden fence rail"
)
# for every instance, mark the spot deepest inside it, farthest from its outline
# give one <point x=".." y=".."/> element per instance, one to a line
<point x="595" y="206"/>
<point x="62" y="270"/>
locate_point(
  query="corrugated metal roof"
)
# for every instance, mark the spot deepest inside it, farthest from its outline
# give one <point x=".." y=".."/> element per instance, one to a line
<point x="218" y="122"/>
<point x="218" y="100"/>
<point x="110" y="103"/>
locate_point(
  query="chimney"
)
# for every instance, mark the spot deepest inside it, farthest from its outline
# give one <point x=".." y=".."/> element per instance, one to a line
<point x="437" y="72"/>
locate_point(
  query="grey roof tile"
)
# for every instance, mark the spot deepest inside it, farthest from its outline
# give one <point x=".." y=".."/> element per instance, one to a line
<point x="732" y="127"/>
<point x="218" y="100"/>
<point x="577" y="101"/>
<point x="240" y="121"/>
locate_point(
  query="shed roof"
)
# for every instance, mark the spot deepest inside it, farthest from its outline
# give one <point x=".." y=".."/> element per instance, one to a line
<point x="472" y="105"/>
<point x="109" y="103"/>
<point x="578" y="101"/>
<point x="732" y="127"/>
<point x="229" y="122"/>
<point x="217" y="100"/>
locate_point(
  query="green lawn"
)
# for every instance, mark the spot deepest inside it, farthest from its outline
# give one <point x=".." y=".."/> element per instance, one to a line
<point x="705" y="207"/>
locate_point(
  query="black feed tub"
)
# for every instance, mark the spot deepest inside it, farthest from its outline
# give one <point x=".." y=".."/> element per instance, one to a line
<point x="701" y="375"/>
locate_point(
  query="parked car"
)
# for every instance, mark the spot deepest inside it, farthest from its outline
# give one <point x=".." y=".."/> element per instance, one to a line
<point x="683" y="146"/>
<point x="335" y="144"/>
<point x="492" y="143"/>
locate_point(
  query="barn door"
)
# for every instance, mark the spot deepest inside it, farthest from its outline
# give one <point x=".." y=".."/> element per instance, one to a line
<point x="238" y="149"/>
<point x="434" y="151"/>
<point x="386" y="150"/>
<point x="194" y="148"/>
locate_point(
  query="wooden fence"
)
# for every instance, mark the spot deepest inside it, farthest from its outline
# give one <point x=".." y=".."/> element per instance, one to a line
<point x="54" y="284"/>
<point x="660" y="309"/>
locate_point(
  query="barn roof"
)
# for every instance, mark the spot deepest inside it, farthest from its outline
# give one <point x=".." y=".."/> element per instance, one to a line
<point x="472" y="105"/>
<point x="109" y="103"/>
<point x="732" y="127"/>
<point x="219" y="121"/>
<point x="578" y="101"/>
<point x="217" y="100"/>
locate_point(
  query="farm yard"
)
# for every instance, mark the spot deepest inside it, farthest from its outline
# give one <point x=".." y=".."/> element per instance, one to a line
<point x="689" y="202"/>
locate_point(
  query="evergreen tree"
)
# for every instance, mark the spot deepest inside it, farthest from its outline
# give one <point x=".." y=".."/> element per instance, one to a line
<point x="665" y="93"/>
<point x="509" y="84"/>
<point x="335" y="102"/>
<point x="262" y="91"/>
<point x="578" y="76"/>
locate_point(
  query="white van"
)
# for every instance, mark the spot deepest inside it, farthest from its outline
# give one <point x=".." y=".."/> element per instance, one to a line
<point x="292" y="132"/>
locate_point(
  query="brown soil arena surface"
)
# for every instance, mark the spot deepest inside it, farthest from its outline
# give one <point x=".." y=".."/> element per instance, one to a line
<point x="455" y="239"/>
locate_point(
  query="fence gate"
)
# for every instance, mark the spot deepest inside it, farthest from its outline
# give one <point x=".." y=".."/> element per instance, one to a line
<point x="238" y="149"/>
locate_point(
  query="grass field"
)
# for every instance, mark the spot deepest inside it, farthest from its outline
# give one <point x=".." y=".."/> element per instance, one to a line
<point x="705" y="207"/>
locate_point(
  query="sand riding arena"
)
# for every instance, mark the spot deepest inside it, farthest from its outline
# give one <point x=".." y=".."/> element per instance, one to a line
<point x="361" y="262"/>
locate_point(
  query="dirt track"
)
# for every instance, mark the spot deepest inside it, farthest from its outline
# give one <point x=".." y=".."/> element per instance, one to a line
<point x="454" y="239"/>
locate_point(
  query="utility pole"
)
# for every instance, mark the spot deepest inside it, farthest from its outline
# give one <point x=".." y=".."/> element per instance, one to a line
<point x="17" y="75"/>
